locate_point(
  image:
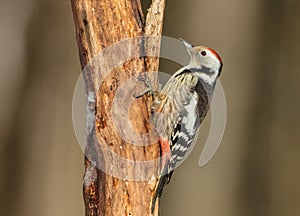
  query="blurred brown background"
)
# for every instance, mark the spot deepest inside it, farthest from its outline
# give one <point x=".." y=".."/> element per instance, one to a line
<point x="255" y="171"/>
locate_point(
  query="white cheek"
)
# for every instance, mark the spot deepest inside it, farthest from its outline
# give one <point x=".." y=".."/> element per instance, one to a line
<point x="211" y="77"/>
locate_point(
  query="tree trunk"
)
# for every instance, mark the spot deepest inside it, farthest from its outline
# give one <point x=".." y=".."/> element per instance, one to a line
<point x="118" y="179"/>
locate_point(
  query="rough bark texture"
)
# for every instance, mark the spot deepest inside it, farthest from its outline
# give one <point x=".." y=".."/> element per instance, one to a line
<point x="100" y="24"/>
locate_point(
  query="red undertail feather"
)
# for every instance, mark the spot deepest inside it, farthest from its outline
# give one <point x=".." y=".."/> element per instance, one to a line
<point x="165" y="150"/>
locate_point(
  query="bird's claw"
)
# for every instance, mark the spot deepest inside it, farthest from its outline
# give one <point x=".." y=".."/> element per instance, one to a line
<point x="149" y="88"/>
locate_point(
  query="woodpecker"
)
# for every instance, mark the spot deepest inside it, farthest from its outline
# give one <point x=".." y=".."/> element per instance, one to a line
<point x="180" y="107"/>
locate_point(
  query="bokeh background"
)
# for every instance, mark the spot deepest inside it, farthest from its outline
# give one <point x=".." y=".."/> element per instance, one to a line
<point x="256" y="169"/>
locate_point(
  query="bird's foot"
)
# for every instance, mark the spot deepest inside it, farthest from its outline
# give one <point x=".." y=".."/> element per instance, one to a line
<point x="149" y="90"/>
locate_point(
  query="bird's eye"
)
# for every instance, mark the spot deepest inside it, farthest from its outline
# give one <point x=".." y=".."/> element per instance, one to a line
<point x="203" y="53"/>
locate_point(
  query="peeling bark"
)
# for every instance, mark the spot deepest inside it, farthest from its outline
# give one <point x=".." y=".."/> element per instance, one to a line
<point x="112" y="185"/>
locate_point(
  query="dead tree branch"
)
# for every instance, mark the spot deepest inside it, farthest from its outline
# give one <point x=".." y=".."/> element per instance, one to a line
<point x="110" y="186"/>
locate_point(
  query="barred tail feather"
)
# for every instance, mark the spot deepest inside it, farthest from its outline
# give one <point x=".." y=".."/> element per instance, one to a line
<point x="163" y="180"/>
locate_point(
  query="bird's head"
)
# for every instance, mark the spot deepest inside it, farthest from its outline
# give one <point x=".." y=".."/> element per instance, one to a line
<point x="206" y="59"/>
